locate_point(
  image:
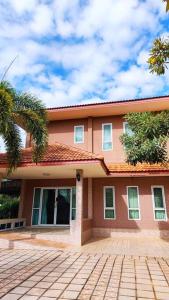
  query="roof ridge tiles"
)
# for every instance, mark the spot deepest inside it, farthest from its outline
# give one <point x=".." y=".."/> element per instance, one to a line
<point x="107" y="102"/>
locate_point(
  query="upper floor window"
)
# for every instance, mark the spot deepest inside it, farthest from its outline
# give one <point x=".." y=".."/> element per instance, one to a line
<point x="127" y="129"/>
<point x="79" y="134"/>
<point x="133" y="203"/>
<point x="159" y="203"/>
<point x="107" y="137"/>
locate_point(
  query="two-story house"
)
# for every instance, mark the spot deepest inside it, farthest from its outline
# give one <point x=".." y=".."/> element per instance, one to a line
<point x="83" y="181"/>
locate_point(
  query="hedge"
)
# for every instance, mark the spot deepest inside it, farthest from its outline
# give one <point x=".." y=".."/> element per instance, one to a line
<point x="8" y="207"/>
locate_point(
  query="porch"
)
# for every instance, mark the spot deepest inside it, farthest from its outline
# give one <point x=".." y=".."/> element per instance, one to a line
<point x="57" y="192"/>
<point x="58" y="238"/>
<point x="30" y="238"/>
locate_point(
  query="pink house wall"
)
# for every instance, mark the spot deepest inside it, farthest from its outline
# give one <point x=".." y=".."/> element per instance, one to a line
<point x="63" y="132"/>
<point x="117" y="153"/>
<point x="146" y="203"/>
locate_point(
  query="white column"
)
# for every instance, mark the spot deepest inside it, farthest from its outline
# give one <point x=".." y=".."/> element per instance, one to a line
<point x="76" y="225"/>
<point x="90" y="199"/>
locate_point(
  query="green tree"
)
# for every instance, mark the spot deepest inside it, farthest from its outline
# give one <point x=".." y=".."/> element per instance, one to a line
<point x="159" y="54"/>
<point x="21" y="109"/>
<point x="148" y="143"/>
<point x="167" y="4"/>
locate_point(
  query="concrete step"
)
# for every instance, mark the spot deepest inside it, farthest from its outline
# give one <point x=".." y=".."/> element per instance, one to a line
<point x="15" y="240"/>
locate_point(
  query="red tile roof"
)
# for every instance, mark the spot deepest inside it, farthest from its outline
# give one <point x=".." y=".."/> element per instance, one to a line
<point x="56" y="153"/>
<point x="60" y="153"/>
<point x="139" y="168"/>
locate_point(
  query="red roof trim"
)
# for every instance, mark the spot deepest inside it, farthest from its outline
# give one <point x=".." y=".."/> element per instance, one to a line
<point x="140" y="171"/>
<point x="107" y="102"/>
<point x="139" y="174"/>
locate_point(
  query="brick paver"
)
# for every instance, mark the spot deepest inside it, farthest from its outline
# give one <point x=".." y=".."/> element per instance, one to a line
<point x="47" y="275"/>
<point x="18" y="265"/>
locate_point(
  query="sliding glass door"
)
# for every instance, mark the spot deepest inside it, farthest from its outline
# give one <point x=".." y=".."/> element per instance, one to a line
<point x="54" y="206"/>
<point x="63" y="206"/>
<point x="48" y="207"/>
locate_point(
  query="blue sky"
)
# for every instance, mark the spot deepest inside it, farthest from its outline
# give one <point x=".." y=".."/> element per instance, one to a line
<point x="77" y="51"/>
<point x="81" y="51"/>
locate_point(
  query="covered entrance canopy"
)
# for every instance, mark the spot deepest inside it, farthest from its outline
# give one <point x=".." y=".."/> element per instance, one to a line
<point x="59" y="161"/>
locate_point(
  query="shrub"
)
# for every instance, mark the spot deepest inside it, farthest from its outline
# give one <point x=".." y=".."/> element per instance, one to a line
<point x="8" y="207"/>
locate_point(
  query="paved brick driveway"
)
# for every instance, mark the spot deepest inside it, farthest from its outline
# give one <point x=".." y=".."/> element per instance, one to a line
<point x="48" y="274"/>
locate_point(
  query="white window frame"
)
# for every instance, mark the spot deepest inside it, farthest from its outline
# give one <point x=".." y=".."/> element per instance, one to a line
<point x="111" y="134"/>
<point x="71" y="206"/>
<point x="124" y="128"/>
<point x="164" y="203"/>
<point x="133" y="186"/>
<point x="104" y="199"/>
<point x="38" y="208"/>
<point x="75" y="142"/>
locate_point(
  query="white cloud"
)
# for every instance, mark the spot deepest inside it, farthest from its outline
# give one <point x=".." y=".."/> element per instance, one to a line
<point x="42" y="22"/>
<point x="24" y="5"/>
<point x="81" y="51"/>
<point x="69" y="51"/>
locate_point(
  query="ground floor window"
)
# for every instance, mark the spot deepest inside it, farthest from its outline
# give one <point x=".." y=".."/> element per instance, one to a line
<point x="54" y="206"/>
<point x="109" y="202"/>
<point x="159" y="203"/>
<point x="133" y="203"/>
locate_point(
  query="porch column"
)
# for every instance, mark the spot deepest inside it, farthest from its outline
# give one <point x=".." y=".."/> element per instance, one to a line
<point x="90" y="199"/>
<point x="22" y="196"/>
<point x="76" y="225"/>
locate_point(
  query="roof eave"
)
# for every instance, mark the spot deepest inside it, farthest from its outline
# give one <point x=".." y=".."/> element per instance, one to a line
<point x="108" y="108"/>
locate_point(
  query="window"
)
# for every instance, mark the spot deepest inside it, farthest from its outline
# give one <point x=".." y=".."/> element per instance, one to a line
<point x="127" y="129"/>
<point x="79" y="134"/>
<point x="159" y="203"/>
<point x="107" y="137"/>
<point x="109" y="203"/>
<point x="36" y="206"/>
<point x="133" y="203"/>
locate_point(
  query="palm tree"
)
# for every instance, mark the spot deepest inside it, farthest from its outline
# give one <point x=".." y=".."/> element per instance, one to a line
<point x="21" y="109"/>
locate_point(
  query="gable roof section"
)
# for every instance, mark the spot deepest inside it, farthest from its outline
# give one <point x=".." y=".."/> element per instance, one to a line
<point x="55" y="154"/>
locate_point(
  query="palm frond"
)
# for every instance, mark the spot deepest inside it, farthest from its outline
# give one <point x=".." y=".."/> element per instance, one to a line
<point x="17" y="109"/>
<point x="25" y="101"/>
<point x="34" y="124"/>
<point x="13" y="144"/>
<point x="6" y="86"/>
